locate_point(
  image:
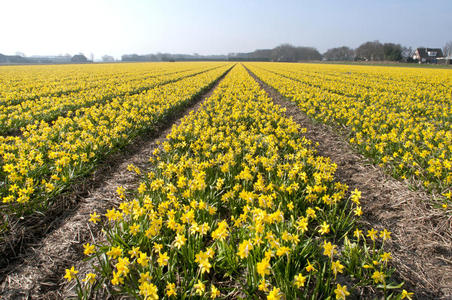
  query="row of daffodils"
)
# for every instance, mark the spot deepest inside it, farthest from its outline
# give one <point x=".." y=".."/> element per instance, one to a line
<point x="21" y="83"/>
<point x="50" y="156"/>
<point x="236" y="204"/>
<point x="398" y="117"/>
<point x="102" y="87"/>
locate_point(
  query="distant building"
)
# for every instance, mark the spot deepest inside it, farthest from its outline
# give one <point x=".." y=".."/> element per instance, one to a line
<point x="428" y="55"/>
<point x="447" y="60"/>
<point x="108" y="58"/>
<point x="13" y="59"/>
<point x="42" y="59"/>
<point x="50" y="59"/>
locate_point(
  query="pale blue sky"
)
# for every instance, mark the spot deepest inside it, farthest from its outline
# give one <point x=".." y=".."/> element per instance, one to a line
<point x="115" y="27"/>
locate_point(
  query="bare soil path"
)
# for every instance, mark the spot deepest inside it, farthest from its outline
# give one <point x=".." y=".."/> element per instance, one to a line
<point x="40" y="270"/>
<point x="421" y="244"/>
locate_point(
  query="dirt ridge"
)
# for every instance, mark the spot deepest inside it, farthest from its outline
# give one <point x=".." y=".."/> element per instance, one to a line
<point x="421" y="244"/>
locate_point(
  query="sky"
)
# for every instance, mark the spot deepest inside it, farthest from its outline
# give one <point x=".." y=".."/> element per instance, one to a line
<point x="116" y="27"/>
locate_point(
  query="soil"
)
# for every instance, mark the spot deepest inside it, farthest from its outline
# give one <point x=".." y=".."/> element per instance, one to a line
<point x="421" y="244"/>
<point x="37" y="273"/>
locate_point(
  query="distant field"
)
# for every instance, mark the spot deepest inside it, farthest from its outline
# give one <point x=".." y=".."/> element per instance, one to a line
<point x="240" y="197"/>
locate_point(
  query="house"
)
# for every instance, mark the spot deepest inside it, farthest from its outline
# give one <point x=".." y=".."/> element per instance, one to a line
<point x="428" y="55"/>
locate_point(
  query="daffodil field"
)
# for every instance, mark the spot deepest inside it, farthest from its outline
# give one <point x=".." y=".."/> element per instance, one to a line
<point x="54" y="99"/>
<point x="236" y="204"/>
<point x="68" y="129"/>
<point x="401" y="118"/>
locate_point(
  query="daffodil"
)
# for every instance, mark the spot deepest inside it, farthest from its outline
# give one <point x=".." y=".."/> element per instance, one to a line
<point x="263" y="267"/>
<point x="244" y="249"/>
<point x="90" y="278"/>
<point x="378" y="277"/>
<point x="94" y="217"/>
<point x="163" y="259"/>
<point x="171" y="289"/>
<point x="310" y="267"/>
<point x="70" y="273"/>
<point x="199" y="288"/>
<point x="329" y="249"/>
<point x="275" y="294"/>
<point x="385" y="235"/>
<point x="336" y="267"/>
<point x="324" y="228"/>
<point x="372" y="234"/>
<point x="214" y="292"/>
<point x="341" y="292"/>
<point x="89" y="249"/>
<point x="406" y="294"/>
<point x="299" y="280"/>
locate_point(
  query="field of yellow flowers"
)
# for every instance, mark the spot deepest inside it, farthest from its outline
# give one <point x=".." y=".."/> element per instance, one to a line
<point x="67" y="118"/>
<point x="400" y="118"/>
<point x="49" y="100"/>
<point x="236" y="204"/>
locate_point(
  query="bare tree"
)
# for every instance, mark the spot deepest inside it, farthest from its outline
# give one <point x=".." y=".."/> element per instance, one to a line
<point x="287" y="52"/>
<point x="340" y="53"/>
<point x="447" y="49"/>
<point x="407" y="54"/>
<point x="370" y="51"/>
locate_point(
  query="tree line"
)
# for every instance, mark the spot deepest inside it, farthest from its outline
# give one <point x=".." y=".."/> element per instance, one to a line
<point x="20" y="58"/>
<point x="369" y="51"/>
